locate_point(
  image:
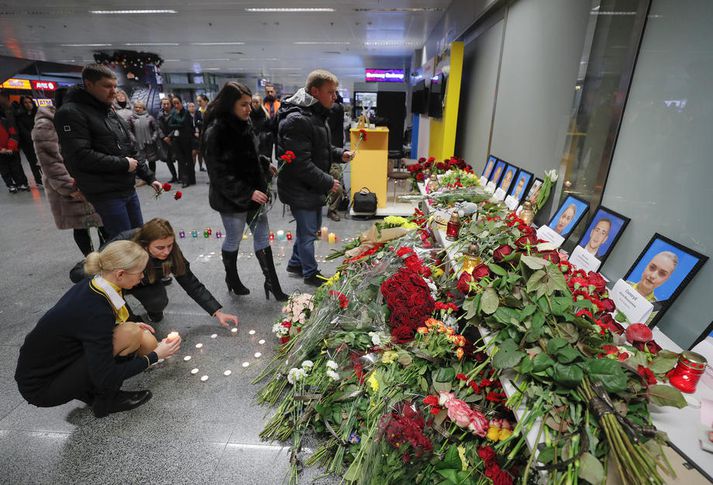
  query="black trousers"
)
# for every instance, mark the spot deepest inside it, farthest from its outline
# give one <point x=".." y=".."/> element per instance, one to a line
<point x="11" y="170"/>
<point x="72" y="382"/>
<point x="29" y="150"/>
<point x="186" y="167"/>
<point x="153" y="297"/>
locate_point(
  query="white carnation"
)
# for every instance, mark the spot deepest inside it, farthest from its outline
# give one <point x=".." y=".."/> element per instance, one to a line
<point x="332" y="365"/>
<point x="332" y="375"/>
<point x="375" y="338"/>
<point x="307" y="365"/>
<point x="295" y="375"/>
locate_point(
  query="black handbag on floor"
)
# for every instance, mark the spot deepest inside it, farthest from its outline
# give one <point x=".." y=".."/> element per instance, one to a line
<point x="365" y="202"/>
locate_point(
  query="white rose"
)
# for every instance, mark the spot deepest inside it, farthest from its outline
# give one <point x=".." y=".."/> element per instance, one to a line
<point x="375" y="338"/>
<point x="332" y="365"/>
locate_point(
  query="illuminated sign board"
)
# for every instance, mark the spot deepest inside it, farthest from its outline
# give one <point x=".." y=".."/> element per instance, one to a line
<point x="44" y="85"/>
<point x="13" y="83"/>
<point x="384" y="75"/>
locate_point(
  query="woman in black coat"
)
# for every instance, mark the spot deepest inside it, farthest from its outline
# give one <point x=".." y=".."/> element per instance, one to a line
<point x="25" y="120"/>
<point x="182" y="135"/>
<point x="239" y="180"/>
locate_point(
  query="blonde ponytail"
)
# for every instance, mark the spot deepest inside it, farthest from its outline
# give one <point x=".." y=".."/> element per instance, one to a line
<point x="124" y="255"/>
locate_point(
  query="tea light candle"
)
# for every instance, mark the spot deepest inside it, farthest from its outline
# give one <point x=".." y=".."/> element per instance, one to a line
<point x="218" y="234"/>
<point x="187" y="358"/>
<point x="199" y="346"/>
<point x="194" y="371"/>
<point x="246" y="364"/>
<point x="227" y="372"/>
<point x="204" y="378"/>
<point x="261" y="342"/>
<point x="271" y="237"/>
<point x="245" y="236"/>
<point x="172" y="336"/>
<point x="206" y="234"/>
<point x="324" y="233"/>
<point x="251" y="332"/>
<point x="182" y="234"/>
<point x="280" y="235"/>
<point x="332" y="238"/>
<point x="258" y="355"/>
<point x="215" y="335"/>
<point x="194" y="233"/>
<point x="289" y="235"/>
<point x="209" y="230"/>
<point x="234" y="329"/>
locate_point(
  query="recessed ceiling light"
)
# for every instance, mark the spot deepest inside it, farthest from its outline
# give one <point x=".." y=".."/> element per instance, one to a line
<point x="320" y="42"/>
<point x="151" y="43"/>
<point x="217" y="43"/>
<point x="400" y="10"/>
<point x="171" y="60"/>
<point x="85" y="45"/>
<point x="209" y="60"/>
<point x="388" y="43"/>
<point x="211" y="69"/>
<point x="289" y="9"/>
<point x="129" y="12"/>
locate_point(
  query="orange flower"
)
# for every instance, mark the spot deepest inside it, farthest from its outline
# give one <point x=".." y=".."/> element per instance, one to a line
<point x="422" y="330"/>
<point x="460" y="353"/>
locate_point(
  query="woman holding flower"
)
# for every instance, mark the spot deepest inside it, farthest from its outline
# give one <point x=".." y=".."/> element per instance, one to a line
<point x="239" y="181"/>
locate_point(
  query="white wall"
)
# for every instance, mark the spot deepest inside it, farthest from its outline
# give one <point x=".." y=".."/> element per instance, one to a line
<point x="541" y="55"/>
<point x="662" y="171"/>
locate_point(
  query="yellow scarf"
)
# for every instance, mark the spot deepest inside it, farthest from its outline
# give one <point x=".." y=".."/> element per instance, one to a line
<point x="113" y="294"/>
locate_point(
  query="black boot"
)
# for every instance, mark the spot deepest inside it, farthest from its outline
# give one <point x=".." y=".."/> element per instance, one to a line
<point x="230" y="262"/>
<point x="272" y="284"/>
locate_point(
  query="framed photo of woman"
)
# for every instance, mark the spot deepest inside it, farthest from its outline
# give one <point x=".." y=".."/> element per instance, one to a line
<point x="489" y="165"/>
<point x="662" y="271"/>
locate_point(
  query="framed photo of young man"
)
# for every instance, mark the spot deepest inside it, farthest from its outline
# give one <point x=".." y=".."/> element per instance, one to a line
<point x="662" y="271"/>
<point x="506" y="182"/>
<point x="599" y="239"/>
<point x="518" y="189"/>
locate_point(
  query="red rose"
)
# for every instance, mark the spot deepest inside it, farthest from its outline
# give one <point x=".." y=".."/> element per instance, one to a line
<point x="422" y="159"/>
<point x="528" y="231"/>
<point x="481" y="271"/>
<point x="178" y="195"/>
<point x="431" y="159"/>
<point x="646" y="373"/>
<point x="610" y="349"/>
<point x="500" y="253"/>
<point x="464" y="283"/>
<point x="362" y="135"/>
<point x="486" y="454"/>
<point x="638" y="332"/>
<point x="551" y="256"/>
<point x="419" y="177"/>
<point x="597" y="281"/>
<point x="166" y="186"/>
<point x="529" y="240"/>
<point x="284" y="340"/>
<point x="608" y="305"/>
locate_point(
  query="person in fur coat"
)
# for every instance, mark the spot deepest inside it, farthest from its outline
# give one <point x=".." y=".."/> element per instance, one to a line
<point x="239" y="183"/>
<point x="69" y="207"/>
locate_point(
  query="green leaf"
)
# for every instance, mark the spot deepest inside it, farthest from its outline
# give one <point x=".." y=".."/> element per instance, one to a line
<point x="497" y="270"/>
<point x="490" y="301"/>
<point x="470" y="307"/>
<point x="663" y="363"/>
<point x="591" y="469"/>
<point x="567" y="375"/>
<point x="451" y="460"/>
<point x="526" y="366"/>
<point x="546" y="455"/>
<point x="555" y="344"/>
<point x="508" y="355"/>
<point x="507" y="316"/>
<point x="556" y="280"/>
<point x="663" y="395"/>
<point x="444" y="374"/>
<point x="560" y="304"/>
<point x="609" y="372"/>
<point x="450" y="475"/>
<point x="442" y="386"/>
<point x="534" y="281"/>
<point x="533" y="262"/>
<point x="567" y="355"/>
<point x="542" y="362"/>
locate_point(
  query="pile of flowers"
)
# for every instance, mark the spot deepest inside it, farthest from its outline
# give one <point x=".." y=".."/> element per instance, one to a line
<point x="295" y="314"/>
<point x="418" y="170"/>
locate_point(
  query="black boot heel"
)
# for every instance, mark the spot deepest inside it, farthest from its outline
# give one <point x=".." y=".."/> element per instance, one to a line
<point x="272" y="284"/>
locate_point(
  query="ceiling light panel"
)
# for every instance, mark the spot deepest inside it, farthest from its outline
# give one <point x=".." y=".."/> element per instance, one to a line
<point x="289" y="10"/>
<point x="130" y="12"/>
<point x="152" y="44"/>
<point x="320" y="42"/>
<point x="217" y="43"/>
<point x="85" y="45"/>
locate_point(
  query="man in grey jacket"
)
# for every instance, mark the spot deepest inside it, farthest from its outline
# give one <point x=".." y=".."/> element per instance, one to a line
<point x="304" y="182"/>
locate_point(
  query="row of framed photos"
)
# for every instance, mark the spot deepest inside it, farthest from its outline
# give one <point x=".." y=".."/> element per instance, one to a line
<point x="658" y="275"/>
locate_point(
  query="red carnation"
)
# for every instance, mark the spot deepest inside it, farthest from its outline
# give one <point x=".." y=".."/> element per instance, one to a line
<point x="166" y="186"/>
<point x="597" y="281"/>
<point x="500" y="253"/>
<point x="461" y="377"/>
<point x="402" y="334"/>
<point x="362" y="135"/>
<point x="178" y="195"/>
<point x="486" y="454"/>
<point x="288" y="156"/>
<point x="481" y="271"/>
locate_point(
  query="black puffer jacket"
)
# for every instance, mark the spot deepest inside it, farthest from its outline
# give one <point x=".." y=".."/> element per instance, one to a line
<point x="95" y="143"/>
<point x="235" y="168"/>
<point x="188" y="281"/>
<point x="303" y="129"/>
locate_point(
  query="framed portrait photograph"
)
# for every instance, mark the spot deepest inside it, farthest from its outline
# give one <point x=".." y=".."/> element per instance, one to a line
<point x="497" y="174"/>
<point x="508" y="176"/>
<point x="569" y="214"/>
<point x="603" y="232"/>
<point x="662" y="271"/>
<point x="489" y="165"/>
<point x="519" y="187"/>
<point x="534" y="191"/>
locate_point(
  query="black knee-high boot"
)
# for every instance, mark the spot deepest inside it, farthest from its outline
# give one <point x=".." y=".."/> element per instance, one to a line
<point x="272" y="284"/>
<point x="230" y="262"/>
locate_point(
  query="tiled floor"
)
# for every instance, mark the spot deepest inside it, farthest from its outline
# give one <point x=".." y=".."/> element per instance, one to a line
<point x="191" y="431"/>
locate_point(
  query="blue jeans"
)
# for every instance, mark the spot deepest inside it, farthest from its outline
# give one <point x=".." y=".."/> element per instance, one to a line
<point x="308" y="223"/>
<point x="120" y="214"/>
<point x="235" y="225"/>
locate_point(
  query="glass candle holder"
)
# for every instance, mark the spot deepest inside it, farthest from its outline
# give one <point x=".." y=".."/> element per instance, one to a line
<point x="182" y="234"/>
<point x="453" y="227"/>
<point x="688" y="372"/>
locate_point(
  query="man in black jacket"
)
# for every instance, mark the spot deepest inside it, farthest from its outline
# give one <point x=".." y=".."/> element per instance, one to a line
<point x="99" y="151"/>
<point x="304" y="136"/>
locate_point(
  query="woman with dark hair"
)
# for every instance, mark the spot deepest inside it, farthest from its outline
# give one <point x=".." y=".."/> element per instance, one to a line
<point x="239" y="180"/>
<point x="69" y="207"/>
<point x="25" y="120"/>
<point x="182" y="135"/>
<point x="164" y="115"/>
<point x="165" y="258"/>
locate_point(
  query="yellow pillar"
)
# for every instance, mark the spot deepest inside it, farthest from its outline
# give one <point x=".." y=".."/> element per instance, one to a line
<point x="443" y="131"/>
<point x="369" y="168"/>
